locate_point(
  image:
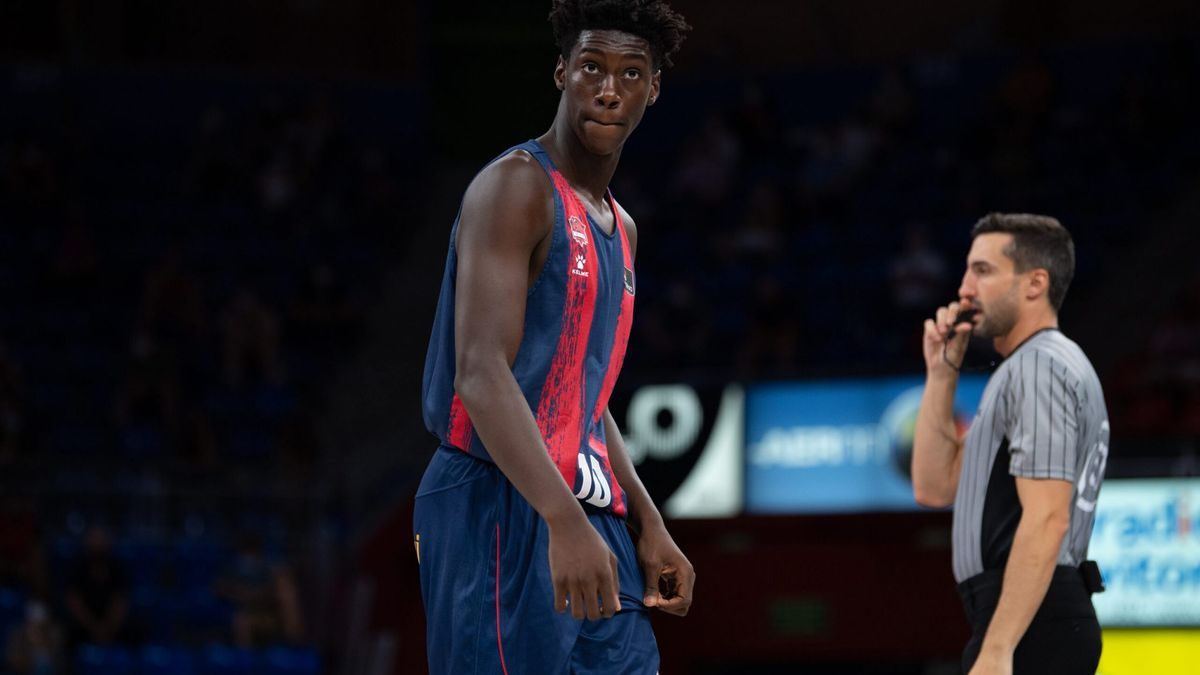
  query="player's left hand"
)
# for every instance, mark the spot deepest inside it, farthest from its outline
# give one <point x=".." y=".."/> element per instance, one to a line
<point x="668" y="574"/>
<point x="992" y="664"/>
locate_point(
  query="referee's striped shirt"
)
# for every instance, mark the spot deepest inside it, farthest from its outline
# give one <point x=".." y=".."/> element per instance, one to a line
<point x="1042" y="416"/>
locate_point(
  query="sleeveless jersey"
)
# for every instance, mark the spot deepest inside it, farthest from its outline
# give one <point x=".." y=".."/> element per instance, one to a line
<point x="577" y="319"/>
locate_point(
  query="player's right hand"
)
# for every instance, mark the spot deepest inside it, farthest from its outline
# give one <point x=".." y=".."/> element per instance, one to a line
<point x="940" y="346"/>
<point x="584" y="571"/>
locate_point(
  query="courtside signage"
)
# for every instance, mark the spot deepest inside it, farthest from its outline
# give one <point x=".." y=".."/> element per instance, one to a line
<point x="1147" y="542"/>
<point x="838" y="445"/>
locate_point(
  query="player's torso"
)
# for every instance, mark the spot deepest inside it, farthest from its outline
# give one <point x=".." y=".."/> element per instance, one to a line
<point x="576" y="326"/>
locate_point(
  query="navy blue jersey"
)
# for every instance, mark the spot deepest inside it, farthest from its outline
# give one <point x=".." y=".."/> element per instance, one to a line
<point x="577" y="318"/>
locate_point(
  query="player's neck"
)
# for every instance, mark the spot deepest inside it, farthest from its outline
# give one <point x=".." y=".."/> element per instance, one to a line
<point x="1026" y="326"/>
<point x="588" y="173"/>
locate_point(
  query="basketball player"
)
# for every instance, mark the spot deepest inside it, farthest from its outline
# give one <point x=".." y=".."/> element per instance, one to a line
<point x="1025" y="479"/>
<point x="527" y="565"/>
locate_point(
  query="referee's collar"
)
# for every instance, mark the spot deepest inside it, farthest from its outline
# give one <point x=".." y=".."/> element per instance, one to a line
<point x="1032" y="335"/>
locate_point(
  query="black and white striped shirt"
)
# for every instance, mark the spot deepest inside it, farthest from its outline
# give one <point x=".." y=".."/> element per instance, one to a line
<point x="1042" y="416"/>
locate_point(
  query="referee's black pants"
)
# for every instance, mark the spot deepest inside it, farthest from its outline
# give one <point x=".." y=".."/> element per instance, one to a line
<point x="1062" y="639"/>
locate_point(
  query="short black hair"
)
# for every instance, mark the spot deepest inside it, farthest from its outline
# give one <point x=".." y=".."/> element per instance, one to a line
<point x="652" y="20"/>
<point x="1039" y="242"/>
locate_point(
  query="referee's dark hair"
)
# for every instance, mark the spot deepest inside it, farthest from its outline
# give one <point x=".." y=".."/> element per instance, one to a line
<point x="1039" y="242"/>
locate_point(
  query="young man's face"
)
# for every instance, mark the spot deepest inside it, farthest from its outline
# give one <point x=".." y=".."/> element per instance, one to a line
<point x="607" y="83"/>
<point x="991" y="285"/>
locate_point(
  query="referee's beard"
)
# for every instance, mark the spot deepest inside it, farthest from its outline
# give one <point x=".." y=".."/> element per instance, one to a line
<point x="997" y="317"/>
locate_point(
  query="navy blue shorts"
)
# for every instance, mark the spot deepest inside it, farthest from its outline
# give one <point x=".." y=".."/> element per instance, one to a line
<point x="485" y="580"/>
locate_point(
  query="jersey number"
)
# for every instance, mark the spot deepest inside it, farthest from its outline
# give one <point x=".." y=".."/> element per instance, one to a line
<point x="595" y="489"/>
<point x="1088" y="488"/>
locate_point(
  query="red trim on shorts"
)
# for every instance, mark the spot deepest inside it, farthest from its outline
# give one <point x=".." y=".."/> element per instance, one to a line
<point x="499" y="642"/>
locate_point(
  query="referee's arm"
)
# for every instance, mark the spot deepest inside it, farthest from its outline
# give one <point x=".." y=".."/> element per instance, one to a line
<point x="937" y="448"/>
<point x="1045" y="517"/>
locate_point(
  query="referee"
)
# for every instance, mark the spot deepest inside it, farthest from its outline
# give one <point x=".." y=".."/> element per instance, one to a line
<point x="1025" y="478"/>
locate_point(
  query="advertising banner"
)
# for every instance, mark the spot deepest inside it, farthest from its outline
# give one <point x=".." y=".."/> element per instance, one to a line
<point x="838" y="446"/>
<point x="1147" y="543"/>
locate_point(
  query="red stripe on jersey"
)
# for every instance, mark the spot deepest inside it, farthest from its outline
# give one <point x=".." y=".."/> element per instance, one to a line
<point x="460" y="428"/>
<point x="561" y="410"/>
<point x="624" y="322"/>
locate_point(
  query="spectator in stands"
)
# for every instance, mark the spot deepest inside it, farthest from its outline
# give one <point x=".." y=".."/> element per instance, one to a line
<point x="265" y="598"/>
<point x="756" y="123"/>
<point x="772" y="343"/>
<point x="277" y="184"/>
<point x="322" y="312"/>
<point x="22" y="558"/>
<point x="706" y="169"/>
<point x="378" y="191"/>
<point x="1174" y="360"/>
<point x="1175" y="339"/>
<point x="97" y="595"/>
<point x="147" y="406"/>
<point x="892" y="103"/>
<point x="28" y="173"/>
<point x="759" y="234"/>
<point x="250" y="340"/>
<point x="917" y="273"/>
<point x="35" y="647"/>
<point x="172" y="305"/>
<point x="216" y="165"/>
<point x="1026" y="95"/>
<point x="14" y="434"/>
<point x="77" y="266"/>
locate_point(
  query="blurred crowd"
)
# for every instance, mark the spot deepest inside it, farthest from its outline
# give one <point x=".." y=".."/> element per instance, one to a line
<point x="1158" y="384"/>
<point x="179" y="287"/>
<point x="809" y="223"/>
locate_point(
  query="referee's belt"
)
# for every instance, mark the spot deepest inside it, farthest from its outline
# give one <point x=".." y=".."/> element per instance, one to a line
<point x="1088" y="571"/>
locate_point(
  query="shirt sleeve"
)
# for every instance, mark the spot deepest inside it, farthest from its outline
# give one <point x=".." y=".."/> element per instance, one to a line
<point x="1043" y="428"/>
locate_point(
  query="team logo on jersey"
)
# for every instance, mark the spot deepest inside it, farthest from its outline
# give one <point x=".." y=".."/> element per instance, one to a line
<point x="580" y="264"/>
<point x="629" y="281"/>
<point x="578" y="231"/>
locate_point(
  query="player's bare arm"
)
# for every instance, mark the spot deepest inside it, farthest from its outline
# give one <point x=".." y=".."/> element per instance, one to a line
<point x="937" y="448"/>
<point x="1045" y="517"/>
<point x="506" y="218"/>
<point x="668" y="574"/>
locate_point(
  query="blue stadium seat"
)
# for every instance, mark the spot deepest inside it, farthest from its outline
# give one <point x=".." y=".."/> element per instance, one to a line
<point x="204" y="612"/>
<point x="97" y="660"/>
<point x="226" y="660"/>
<point x="291" y="661"/>
<point x="167" y="660"/>
<point x="150" y="614"/>
<point x="12" y="609"/>
<point x="142" y="440"/>
<point x="198" y="562"/>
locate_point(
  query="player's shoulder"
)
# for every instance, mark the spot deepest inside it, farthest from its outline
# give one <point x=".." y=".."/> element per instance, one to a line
<point x="515" y="176"/>
<point x="512" y="195"/>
